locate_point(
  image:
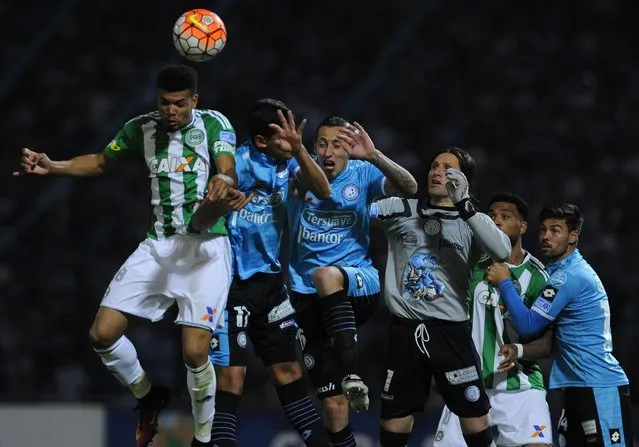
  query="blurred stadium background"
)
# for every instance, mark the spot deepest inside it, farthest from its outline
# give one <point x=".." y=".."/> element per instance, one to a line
<point x="544" y="95"/>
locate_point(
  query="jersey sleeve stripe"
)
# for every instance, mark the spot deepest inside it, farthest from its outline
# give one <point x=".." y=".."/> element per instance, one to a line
<point x="224" y="122"/>
<point x="217" y="116"/>
<point x="384" y="185"/>
<point x="542" y="313"/>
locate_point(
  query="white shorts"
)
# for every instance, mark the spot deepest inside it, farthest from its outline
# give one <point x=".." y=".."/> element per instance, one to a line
<point x="521" y="418"/>
<point x="192" y="270"/>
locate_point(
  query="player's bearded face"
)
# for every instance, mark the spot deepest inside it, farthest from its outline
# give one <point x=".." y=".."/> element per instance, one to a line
<point x="331" y="155"/>
<point x="437" y="174"/>
<point x="554" y="238"/>
<point x="175" y="108"/>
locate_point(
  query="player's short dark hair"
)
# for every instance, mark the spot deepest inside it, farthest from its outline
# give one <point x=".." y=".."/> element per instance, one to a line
<point x="331" y="121"/>
<point x="510" y="197"/>
<point x="262" y="113"/>
<point x="175" y="78"/>
<point x="566" y="211"/>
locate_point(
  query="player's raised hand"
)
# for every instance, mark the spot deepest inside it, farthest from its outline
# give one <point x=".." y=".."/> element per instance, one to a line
<point x="288" y="137"/>
<point x="509" y="352"/>
<point x="33" y="163"/>
<point x="496" y="273"/>
<point x="456" y="185"/>
<point x="357" y="142"/>
<point x="237" y="200"/>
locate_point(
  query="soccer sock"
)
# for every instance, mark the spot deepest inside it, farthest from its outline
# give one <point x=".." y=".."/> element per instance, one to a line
<point x="483" y="438"/>
<point x="201" y="384"/>
<point x="302" y="414"/>
<point x="342" y="438"/>
<point x="339" y="321"/>
<point x="225" y="421"/>
<point x="121" y="359"/>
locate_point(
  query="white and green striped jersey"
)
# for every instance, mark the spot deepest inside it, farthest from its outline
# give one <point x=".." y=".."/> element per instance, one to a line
<point x="180" y="165"/>
<point x="492" y="327"/>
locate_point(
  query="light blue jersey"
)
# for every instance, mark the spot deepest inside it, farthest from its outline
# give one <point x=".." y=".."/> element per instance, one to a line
<point x="575" y="300"/>
<point x="336" y="231"/>
<point x="256" y="230"/>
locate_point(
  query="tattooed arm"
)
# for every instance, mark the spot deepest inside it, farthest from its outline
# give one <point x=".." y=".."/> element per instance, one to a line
<point x="399" y="182"/>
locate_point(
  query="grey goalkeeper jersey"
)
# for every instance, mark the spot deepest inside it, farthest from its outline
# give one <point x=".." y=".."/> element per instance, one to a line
<point x="431" y="255"/>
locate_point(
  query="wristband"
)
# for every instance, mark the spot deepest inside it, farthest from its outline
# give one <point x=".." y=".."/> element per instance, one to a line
<point x="227" y="179"/>
<point x="465" y="208"/>
<point x="520" y="350"/>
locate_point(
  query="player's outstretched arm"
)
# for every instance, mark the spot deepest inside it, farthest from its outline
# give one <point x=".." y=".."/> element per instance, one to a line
<point x="359" y="145"/>
<point x="527" y="322"/>
<point x="225" y="178"/>
<point x="38" y="163"/>
<point x="311" y="176"/>
<point x="208" y="212"/>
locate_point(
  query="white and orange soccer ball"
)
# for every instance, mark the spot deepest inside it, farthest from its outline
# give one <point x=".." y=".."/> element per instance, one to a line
<point x="199" y="34"/>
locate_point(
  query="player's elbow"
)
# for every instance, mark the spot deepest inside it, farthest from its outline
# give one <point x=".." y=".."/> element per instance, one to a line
<point x="502" y="251"/>
<point x="100" y="165"/>
<point x="323" y="192"/>
<point x="412" y="188"/>
<point x="528" y="330"/>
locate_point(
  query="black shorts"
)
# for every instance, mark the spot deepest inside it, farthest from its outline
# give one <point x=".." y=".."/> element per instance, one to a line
<point x="443" y="350"/>
<point x="319" y="355"/>
<point x="596" y="417"/>
<point x="258" y="309"/>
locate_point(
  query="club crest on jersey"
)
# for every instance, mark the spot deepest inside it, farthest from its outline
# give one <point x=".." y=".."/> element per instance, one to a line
<point x="432" y="226"/>
<point x="558" y="279"/>
<point x="350" y="191"/>
<point x="194" y="137"/>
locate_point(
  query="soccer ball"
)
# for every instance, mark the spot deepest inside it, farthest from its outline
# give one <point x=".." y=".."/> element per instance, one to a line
<point x="199" y="34"/>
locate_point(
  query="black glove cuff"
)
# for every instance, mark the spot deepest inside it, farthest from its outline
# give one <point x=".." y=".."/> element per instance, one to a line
<point x="465" y="208"/>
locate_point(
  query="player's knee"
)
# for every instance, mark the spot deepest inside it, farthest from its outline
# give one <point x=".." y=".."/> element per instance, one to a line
<point x="231" y="379"/>
<point x="483" y="438"/>
<point x="107" y="328"/>
<point x="328" y="280"/>
<point x="195" y="346"/>
<point x="474" y="425"/>
<point x="285" y="373"/>
<point x="335" y="410"/>
<point x="398" y="425"/>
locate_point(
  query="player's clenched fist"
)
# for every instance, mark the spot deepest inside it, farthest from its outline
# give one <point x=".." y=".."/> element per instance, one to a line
<point x="35" y="163"/>
<point x="497" y="272"/>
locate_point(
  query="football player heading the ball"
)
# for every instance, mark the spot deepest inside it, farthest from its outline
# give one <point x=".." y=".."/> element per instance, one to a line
<point x="190" y="155"/>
